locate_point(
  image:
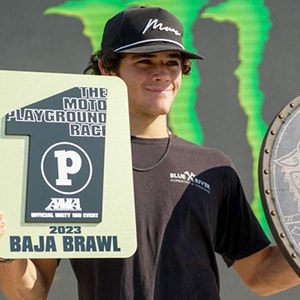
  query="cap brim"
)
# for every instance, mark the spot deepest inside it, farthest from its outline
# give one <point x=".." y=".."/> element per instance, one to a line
<point x="161" y="47"/>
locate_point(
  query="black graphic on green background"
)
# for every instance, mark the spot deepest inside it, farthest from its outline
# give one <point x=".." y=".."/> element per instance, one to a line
<point x="66" y="154"/>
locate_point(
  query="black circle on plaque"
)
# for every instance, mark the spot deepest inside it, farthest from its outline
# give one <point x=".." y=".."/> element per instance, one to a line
<point x="279" y="180"/>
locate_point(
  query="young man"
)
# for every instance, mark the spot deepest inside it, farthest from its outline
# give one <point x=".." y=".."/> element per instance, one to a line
<point x="182" y="221"/>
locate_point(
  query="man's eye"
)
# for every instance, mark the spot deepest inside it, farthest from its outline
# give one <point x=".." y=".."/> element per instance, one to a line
<point x="173" y="63"/>
<point x="144" y="61"/>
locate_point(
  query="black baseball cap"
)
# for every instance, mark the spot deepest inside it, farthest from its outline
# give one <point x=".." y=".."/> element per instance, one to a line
<point x="144" y="30"/>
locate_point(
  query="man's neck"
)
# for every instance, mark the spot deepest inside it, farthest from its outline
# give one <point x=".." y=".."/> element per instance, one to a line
<point x="156" y="128"/>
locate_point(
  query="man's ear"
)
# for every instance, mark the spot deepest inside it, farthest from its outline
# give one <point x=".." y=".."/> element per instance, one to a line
<point x="102" y="69"/>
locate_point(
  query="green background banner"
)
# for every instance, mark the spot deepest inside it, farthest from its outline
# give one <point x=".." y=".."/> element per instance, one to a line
<point x="250" y="71"/>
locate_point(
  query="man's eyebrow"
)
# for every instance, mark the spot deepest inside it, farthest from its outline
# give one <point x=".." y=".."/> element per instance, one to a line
<point x="150" y="55"/>
<point x="141" y="55"/>
<point x="175" y="56"/>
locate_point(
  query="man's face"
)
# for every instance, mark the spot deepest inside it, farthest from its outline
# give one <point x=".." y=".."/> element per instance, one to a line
<point x="152" y="80"/>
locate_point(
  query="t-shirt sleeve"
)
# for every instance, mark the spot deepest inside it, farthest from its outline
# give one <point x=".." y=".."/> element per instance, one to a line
<point x="239" y="233"/>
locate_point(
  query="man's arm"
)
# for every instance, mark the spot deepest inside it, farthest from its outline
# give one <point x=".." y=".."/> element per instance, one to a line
<point x="27" y="279"/>
<point x="266" y="272"/>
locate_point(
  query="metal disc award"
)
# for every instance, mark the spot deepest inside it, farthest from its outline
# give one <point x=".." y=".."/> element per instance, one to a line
<point x="279" y="178"/>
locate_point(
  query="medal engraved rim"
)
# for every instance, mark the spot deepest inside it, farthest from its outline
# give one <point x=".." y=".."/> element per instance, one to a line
<point x="270" y="197"/>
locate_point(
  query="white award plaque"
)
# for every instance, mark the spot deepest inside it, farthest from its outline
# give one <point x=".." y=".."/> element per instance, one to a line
<point x="66" y="169"/>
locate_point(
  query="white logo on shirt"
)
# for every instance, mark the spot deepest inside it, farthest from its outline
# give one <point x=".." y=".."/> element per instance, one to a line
<point x="160" y="26"/>
<point x="190" y="178"/>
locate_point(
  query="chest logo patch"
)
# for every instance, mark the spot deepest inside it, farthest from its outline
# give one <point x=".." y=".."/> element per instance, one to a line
<point x="190" y="178"/>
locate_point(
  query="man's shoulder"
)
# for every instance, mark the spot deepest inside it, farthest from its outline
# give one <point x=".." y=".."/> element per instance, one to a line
<point x="190" y="148"/>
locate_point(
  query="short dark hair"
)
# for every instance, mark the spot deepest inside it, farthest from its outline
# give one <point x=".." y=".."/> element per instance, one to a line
<point x="111" y="62"/>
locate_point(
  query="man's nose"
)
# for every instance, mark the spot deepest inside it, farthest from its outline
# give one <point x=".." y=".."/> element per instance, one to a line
<point x="161" y="73"/>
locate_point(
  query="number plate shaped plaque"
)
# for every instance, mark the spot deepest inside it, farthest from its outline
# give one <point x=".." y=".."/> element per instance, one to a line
<point x="66" y="170"/>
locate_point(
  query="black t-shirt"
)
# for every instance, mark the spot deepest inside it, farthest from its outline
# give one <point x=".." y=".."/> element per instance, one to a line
<point x="188" y="208"/>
